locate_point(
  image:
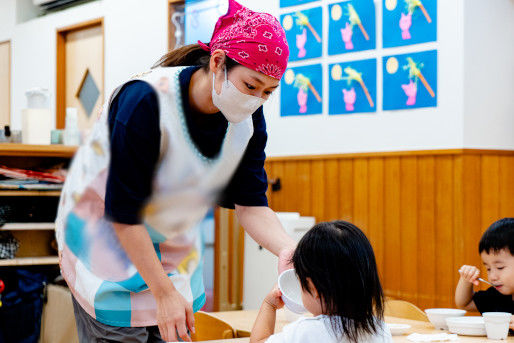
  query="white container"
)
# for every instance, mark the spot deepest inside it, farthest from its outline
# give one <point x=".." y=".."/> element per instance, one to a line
<point x="437" y="316"/>
<point x="37" y="98"/>
<point x="497" y="324"/>
<point x="468" y="326"/>
<point x="291" y="290"/>
<point x="37" y="125"/>
<point x="71" y="134"/>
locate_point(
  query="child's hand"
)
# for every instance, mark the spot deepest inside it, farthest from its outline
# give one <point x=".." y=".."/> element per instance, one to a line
<point x="274" y="298"/>
<point x="470" y="274"/>
<point x="511" y="325"/>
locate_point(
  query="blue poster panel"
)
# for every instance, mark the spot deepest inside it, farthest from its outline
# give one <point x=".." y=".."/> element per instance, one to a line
<point x="410" y="80"/>
<point x="351" y="26"/>
<point x="304" y="33"/>
<point x="408" y="22"/>
<point x="353" y="87"/>
<point x="301" y="91"/>
<point x="201" y="17"/>
<point x="287" y="3"/>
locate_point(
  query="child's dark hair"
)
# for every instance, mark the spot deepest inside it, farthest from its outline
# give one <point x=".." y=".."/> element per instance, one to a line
<point x="499" y="236"/>
<point x="339" y="260"/>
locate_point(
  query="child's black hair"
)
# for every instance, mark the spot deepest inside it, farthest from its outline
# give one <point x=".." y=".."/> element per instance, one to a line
<point x="499" y="236"/>
<point x="339" y="260"/>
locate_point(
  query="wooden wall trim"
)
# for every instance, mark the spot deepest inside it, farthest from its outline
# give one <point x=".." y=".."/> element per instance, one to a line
<point x="391" y="154"/>
<point x="60" y="77"/>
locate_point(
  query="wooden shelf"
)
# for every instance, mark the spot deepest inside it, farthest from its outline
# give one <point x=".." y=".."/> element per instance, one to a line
<point x="24" y="193"/>
<point x="13" y="149"/>
<point x="28" y="226"/>
<point x="30" y="261"/>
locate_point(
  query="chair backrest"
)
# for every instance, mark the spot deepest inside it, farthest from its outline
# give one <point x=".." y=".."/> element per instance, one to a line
<point x="404" y="309"/>
<point x="208" y="327"/>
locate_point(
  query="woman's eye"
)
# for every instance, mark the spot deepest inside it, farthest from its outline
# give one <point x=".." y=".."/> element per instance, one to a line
<point x="267" y="92"/>
<point x="250" y="86"/>
<point x="500" y="268"/>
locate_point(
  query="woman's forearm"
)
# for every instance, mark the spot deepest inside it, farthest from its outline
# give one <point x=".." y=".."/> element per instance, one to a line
<point x="263" y="226"/>
<point x="136" y="242"/>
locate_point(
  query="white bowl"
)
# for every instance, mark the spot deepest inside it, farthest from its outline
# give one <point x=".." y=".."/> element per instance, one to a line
<point x="399" y="329"/>
<point x="468" y="326"/>
<point x="437" y="316"/>
<point x="291" y="290"/>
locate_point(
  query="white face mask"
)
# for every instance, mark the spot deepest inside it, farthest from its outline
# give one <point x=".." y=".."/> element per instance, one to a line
<point x="234" y="105"/>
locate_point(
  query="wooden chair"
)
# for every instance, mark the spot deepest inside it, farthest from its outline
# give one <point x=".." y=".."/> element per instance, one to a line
<point x="208" y="328"/>
<point x="404" y="309"/>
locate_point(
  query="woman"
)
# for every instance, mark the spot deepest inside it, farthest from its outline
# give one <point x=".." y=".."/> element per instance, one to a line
<point x="166" y="148"/>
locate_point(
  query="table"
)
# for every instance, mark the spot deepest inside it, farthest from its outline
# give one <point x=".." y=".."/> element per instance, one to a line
<point x="242" y="321"/>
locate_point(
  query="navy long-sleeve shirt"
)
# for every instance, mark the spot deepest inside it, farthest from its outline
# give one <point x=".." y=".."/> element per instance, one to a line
<point x="135" y="142"/>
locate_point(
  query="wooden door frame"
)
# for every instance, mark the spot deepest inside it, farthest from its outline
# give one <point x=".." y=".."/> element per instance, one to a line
<point x="9" y="75"/>
<point x="171" y="31"/>
<point x="60" y="89"/>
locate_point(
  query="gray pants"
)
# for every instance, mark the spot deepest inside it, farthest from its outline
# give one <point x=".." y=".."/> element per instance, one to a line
<point x="91" y="330"/>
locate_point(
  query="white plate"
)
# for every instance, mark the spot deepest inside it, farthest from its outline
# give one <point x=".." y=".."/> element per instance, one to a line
<point x="399" y="329"/>
<point x="468" y="326"/>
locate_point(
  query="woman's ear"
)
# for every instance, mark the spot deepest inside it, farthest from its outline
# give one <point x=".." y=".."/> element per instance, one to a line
<point x="217" y="61"/>
<point x="312" y="289"/>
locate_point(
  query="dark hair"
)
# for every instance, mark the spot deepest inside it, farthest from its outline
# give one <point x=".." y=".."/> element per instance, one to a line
<point x="190" y="55"/>
<point x="339" y="260"/>
<point x="499" y="236"/>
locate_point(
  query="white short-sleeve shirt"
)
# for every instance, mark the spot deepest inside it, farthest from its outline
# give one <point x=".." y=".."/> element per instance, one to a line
<point x="319" y="329"/>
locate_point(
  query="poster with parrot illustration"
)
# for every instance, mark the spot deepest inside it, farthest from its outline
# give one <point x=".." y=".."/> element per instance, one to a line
<point x="352" y="87"/>
<point x="351" y="26"/>
<point x="410" y="80"/>
<point x="301" y="91"/>
<point x="304" y="33"/>
<point x="287" y="3"/>
<point x="408" y="22"/>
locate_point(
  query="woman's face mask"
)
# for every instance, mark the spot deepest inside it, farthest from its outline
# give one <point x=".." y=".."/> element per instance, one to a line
<point x="235" y="105"/>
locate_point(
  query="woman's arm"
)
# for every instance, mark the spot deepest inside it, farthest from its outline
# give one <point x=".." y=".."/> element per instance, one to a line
<point x="263" y="226"/>
<point x="174" y="313"/>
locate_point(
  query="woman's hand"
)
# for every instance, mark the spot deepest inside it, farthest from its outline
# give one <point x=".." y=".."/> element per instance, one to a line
<point x="284" y="259"/>
<point x="174" y="316"/>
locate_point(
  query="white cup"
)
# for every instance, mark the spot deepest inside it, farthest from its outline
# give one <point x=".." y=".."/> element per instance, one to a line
<point x="497" y="324"/>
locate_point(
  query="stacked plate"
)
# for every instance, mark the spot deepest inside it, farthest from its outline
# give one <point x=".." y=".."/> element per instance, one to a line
<point x="468" y="326"/>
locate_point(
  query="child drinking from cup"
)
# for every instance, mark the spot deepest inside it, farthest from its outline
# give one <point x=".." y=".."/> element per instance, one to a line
<point x="336" y="267"/>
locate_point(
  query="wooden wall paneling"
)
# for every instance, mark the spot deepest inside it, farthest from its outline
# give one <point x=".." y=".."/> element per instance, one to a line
<point x="392" y="238"/>
<point x="318" y="191"/>
<point x="303" y="188"/>
<point x="376" y="209"/>
<point x="360" y="193"/>
<point x="331" y="201"/>
<point x="506" y="186"/>
<point x="490" y="183"/>
<point x="408" y="225"/>
<point x="426" y="232"/>
<point x="346" y="189"/>
<point x="445" y="273"/>
<point x="291" y="184"/>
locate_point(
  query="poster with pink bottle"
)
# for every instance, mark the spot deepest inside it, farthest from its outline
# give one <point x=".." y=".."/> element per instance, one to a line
<point x="304" y="33"/>
<point x="353" y="87"/>
<point x="410" y="80"/>
<point x="301" y="91"/>
<point x="408" y="22"/>
<point x="351" y="26"/>
<point x="287" y="3"/>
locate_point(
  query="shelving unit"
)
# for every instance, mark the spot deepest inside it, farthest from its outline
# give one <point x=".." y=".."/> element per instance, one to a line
<point x="37" y="246"/>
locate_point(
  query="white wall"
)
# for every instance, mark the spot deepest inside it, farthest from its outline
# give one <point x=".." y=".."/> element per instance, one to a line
<point x="136" y="36"/>
<point x="489" y="74"/>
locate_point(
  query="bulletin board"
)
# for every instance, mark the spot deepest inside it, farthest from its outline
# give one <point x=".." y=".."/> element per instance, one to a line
<point x="410" y="80"/>
<point x="304" y="33"/>
<point x="352" y="87"/>
<point x="351" y="26"/>
<point x="301" y="91"/>
<point x="408" y="22"/>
